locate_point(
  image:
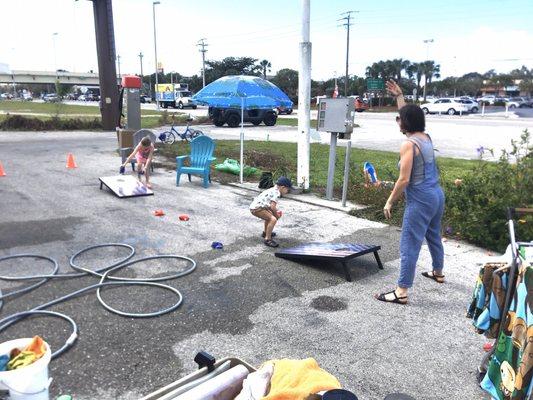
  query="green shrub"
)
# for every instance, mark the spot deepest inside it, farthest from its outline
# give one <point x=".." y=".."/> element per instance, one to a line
<point x="475" y="210"/>
<point x="22" y="123"/>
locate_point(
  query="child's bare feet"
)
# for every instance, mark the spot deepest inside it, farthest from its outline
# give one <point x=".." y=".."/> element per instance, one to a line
<point x="148" y="185"/>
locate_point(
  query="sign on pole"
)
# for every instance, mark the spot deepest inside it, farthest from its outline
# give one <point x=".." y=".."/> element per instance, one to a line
<point x="375" y="84"/>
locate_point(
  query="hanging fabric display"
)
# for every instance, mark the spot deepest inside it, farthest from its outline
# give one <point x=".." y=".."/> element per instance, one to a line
<point x="510" y="369"/>
<point x="488" y="299"/>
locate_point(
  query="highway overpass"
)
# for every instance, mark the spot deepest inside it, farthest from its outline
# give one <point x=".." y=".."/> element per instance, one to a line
<point x="67" y="78"/>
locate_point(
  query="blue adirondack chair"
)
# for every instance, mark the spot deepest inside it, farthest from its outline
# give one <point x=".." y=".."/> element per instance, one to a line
<point x="201" y="157"/>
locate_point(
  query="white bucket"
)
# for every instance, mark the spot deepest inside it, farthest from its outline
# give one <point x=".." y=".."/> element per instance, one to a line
<point x="30" y="382"/>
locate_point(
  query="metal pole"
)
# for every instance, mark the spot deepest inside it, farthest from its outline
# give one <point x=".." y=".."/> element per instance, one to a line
<point x="347" y="54"/>
<point x="155" y="51"/>
<point x="203" y="45"/>
<point x="304" y="98"/>
<point x="142" y="75"/>
<point x="346" y="173"/>
<point x="331" y="166"/>
<point x="107" y="73"/>
<point x="242" y="140"/>
<point x="118" y="63"/>
<point x="54" y="35"/>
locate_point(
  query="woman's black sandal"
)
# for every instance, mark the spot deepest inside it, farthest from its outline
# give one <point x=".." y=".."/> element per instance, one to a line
<point x="271" y="243"/>
<point x="264" y="234"/>
<point x="397" y="300"/>
<point x="431" y="275"/>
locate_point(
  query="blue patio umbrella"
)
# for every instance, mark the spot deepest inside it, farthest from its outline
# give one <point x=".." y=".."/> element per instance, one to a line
<point x="229" y="91"/>
<point x="244" y="92"/>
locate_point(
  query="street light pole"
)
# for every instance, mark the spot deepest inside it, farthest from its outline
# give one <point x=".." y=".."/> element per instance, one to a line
<point x="54" y="35"/>
<point x="427" y="42"/>
<point x="155" y="51"/>
<point x="142" y="75"/>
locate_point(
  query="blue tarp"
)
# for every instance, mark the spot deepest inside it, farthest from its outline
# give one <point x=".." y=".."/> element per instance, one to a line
<point x="228" y="92"/>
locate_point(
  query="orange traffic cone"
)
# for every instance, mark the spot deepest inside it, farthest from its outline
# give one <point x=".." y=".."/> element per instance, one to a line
<point x="2" y="172"/>
<point x="70" y="161"/>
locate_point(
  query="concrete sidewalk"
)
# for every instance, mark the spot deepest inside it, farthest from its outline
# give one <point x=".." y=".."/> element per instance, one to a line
<point x="241" y="301"/>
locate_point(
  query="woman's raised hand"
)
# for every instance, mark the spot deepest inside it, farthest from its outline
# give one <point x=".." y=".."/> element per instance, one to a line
<point x="393" y="88"/>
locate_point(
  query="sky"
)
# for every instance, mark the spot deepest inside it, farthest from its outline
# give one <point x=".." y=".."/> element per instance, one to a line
<point x="468" y="36"/>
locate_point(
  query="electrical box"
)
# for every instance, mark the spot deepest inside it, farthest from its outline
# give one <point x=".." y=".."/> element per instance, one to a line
<point x="336" y="116"/>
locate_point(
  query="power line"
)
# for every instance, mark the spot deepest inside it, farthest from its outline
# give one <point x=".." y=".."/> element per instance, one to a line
<point x="201" y="43"/>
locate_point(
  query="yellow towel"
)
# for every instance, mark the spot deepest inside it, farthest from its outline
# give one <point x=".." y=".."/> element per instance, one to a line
<point x="29" y="355"/>
<point x="297" y="379"/>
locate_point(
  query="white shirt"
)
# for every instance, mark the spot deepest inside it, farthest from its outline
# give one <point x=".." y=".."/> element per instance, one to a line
<point x="265" y="198"/>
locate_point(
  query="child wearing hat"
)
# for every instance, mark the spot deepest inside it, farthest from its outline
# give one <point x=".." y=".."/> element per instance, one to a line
<point x="265" y="206"/>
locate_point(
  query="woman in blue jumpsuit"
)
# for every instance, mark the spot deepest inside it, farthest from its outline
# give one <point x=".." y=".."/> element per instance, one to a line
<point x="424" y="200"/>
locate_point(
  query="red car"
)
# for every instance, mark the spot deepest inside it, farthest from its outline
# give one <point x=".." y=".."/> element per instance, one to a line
<point x="360" y="105"/>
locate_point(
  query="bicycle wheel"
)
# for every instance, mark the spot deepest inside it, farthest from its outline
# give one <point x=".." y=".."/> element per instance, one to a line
<point x="170" y="138"/>
<point x="195" y="133"/>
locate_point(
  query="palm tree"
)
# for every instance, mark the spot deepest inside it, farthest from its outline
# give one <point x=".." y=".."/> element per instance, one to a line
<point x="430" y="71"/>
<point x="265" y="65"/>
<point x="398" y="65"/>
<point x="415" y="70"/>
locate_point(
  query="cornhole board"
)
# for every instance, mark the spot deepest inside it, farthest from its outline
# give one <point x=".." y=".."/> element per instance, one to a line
<point x="333" y="252"/>
<point x="125" y="186"/>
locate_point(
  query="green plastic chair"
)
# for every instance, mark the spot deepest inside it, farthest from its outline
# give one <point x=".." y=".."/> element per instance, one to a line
<point x="201" y="157"/>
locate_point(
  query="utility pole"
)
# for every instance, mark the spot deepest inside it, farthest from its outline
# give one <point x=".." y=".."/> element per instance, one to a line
<point x="107" y="73"/>
<point x="304" y="98"/>
<point x="347" y="24"/>
<point x="203" y="45"/>
<point x="118" y="64"/>
<point x="155" y="51"/>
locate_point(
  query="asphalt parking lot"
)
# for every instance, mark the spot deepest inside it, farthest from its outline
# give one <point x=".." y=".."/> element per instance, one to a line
<point x="240" y="301"/>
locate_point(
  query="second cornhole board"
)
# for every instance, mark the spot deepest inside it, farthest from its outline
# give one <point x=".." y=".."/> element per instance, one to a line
<point x="125" y="186"/>
<point x="333" y="252"/>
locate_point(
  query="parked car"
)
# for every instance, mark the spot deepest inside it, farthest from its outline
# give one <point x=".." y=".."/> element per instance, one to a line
<point x="51" y="98"/>
<point x="487" y="99"/>
<point x="27" y="97"/>
<point x="360" y="105"/>
<point x="145" y="98"/>
<point x="71" y="96"/>
<point x="6" y="96"/>
<point x="447" y="106"/>
<point x="517" y="102"/>
<point x="232" y="116"/>
<point x="473" y="106"/>
<point x="284" y="110"/>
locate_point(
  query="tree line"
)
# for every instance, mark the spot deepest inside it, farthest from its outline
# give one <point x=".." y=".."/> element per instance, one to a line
<point x="410" y="76"/>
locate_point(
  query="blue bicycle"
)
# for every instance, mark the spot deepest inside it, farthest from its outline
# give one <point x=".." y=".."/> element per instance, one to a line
<point x="169" y="137"/>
